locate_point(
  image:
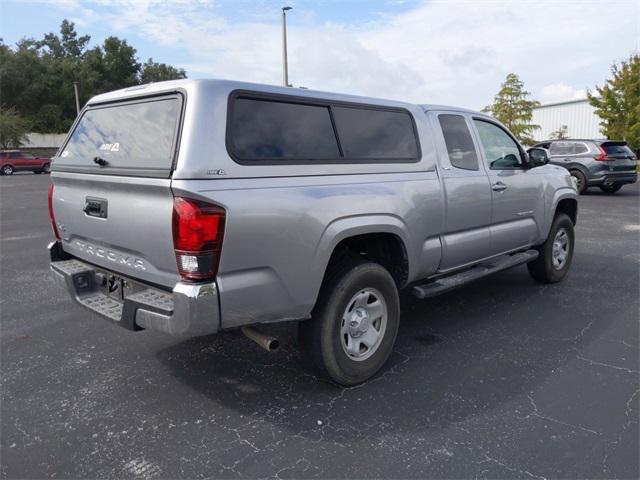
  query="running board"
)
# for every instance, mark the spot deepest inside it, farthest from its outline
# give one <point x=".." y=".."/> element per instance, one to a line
<point x="442" y="285"/>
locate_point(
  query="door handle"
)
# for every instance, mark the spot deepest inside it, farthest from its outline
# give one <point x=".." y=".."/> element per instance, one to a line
<point x="499" y="187"/>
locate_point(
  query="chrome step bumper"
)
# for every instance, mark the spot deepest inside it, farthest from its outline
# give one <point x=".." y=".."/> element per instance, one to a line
<point x="189" y="310"/>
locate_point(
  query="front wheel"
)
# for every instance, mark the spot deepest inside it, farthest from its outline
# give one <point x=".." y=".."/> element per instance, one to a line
<point x="7" y="170"/>
<point x="556" y="253"/>
<point x="354" y="324"/>
<point x="610" y="188"/>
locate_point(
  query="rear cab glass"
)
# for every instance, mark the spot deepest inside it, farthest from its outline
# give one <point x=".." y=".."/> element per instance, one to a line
<point x="295" y="130"/>
<point x="135" y="138"/>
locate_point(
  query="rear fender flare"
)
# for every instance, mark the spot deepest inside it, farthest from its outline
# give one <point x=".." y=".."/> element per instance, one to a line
<point x="346" y="227"/>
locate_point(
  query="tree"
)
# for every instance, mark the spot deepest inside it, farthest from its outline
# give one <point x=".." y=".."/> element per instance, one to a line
<point x="617" y="102"/>
<point x="560" y="134"/>
<point x="512" y="107"/>
<point x="159" y="72"/>
<point x="37" y="76"/>
<point x="67" y="44"/>
<point x="13" y="128"/>
<point x="119" y="63"/>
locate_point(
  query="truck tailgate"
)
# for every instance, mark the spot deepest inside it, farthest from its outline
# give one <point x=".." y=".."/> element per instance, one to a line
<point x="118" y="223"/>
<point x="112" y="199"/>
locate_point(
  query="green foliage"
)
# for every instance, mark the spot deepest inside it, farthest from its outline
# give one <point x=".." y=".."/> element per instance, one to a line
<point x="617" y="102"/>
<point x="158" y="72"/>
<point x="560" y="134"/>
<point x="37" y="76"/>
<point x="13" y="128"/>
<point x="512" y="107"/>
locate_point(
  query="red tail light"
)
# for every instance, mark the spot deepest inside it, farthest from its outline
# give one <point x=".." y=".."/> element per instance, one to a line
<point x="602" y="155"/>
<point x="198" y="229"/>
<point x="51" y="215"/>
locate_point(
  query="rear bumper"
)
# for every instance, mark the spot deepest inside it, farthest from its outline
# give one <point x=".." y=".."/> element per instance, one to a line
<point x="617" y="178"/>
<point x="189" y="310"/>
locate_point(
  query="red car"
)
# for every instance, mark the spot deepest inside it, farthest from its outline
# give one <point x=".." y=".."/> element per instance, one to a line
<point x="17" y="160"/>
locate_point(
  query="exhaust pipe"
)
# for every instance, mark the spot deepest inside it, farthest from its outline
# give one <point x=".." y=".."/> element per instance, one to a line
<point x="270" y="344"/>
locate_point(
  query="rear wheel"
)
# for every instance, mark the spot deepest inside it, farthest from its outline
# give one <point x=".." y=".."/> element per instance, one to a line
<point x="556" y="253"/>
<point x="7" y="170"/>
<point x="355" y="322"/>
<point x="610" y="188"/>
<point x="582" y="180"/>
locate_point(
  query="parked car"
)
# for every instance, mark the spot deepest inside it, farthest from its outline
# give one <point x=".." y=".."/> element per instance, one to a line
<point x="603" y="163"/>
<point x="17" y="160"/>
<point x="194" y="206"/>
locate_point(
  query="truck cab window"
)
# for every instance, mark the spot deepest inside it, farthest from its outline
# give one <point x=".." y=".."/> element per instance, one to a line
<point x="462" y="153"/>
<point x="500" y="150"/>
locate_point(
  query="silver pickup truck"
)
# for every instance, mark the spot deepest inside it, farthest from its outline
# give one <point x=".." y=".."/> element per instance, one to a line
<point x="194" y="206"/>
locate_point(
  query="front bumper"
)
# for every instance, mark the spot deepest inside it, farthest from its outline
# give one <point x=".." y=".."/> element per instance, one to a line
<point x="611" y="178"/>
<point x="189" y="310"/>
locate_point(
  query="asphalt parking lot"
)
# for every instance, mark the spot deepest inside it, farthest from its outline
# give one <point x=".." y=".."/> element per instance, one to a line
<point x="504" y="378"/>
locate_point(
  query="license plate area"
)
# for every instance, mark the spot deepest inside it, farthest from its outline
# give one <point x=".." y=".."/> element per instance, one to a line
<point x="114" y="286"/>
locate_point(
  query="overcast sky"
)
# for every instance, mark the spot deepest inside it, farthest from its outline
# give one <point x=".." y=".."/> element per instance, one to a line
<point x="434" y="51"/>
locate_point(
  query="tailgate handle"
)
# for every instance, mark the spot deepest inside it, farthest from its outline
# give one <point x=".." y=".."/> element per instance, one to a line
<point x="95" y="207"/>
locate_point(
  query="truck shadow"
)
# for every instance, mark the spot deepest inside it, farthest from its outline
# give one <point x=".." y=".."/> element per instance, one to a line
<point x="458" y="355"/>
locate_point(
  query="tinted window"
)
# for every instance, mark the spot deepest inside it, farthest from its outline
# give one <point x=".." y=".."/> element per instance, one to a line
<point x="128" y="136"/>
<point x="500" y="150"/>
<point x="462" y="153"/>
<point x="617" y="150"/>
<point x="366" y="133"/>
<point x="579" y="148"/>
<point x="263" y="129"/>
<point x="561" y="148"/>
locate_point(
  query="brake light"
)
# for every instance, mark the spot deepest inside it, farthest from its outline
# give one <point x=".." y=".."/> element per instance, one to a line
<point x="51" y="215"/>
<point x="603" y="154"/>
<point x="198" y="229"/>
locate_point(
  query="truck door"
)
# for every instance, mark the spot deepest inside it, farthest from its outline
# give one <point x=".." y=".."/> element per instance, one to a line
<point x="467" y="194"/>
<point x="517" y="192"/>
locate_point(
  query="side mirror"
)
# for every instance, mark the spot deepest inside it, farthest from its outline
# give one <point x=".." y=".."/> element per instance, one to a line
<point x="537" y="157"/>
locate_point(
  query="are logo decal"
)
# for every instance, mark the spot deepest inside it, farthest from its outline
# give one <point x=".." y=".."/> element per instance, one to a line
<point x="110" y="147"/>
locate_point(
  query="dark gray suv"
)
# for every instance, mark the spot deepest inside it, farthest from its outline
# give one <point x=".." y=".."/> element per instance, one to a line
<point x="594" y="163"/>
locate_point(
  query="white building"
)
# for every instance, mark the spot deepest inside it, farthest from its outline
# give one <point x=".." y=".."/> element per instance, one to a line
<point x="46" y="144"/>
<point x="579" y="117"/>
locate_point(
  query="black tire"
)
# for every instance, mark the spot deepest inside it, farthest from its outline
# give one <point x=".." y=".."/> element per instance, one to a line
<point x="7" y="170"/>
<point x="37" y="172"/>
<point x="610" y="189"/>
<point x="46" y="168"/>
<point x="321" y="336"/>
<point x="544" y="269"/>
<point x="582" y="180"/>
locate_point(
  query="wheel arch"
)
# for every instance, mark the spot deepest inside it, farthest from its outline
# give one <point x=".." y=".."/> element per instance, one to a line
<point x="381" y="238"/>
<point x="580" y="168"/>
<point x="569" y="206"/>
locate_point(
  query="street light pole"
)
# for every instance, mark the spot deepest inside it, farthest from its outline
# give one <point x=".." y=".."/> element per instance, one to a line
<point x="285" y="66"/>
<point x="75" y="89"/>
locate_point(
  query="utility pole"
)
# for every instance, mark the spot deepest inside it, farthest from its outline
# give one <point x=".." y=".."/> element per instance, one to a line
<point x="285" y="66"/>
<point x="75" y="89"/>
